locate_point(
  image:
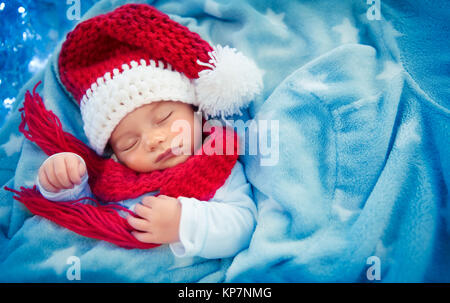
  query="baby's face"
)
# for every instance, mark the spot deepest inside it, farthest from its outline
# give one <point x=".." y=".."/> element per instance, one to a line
<point x="140" y="140"/>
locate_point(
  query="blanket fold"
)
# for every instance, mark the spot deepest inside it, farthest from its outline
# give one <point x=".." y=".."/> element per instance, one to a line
<point x="367" y="182"/>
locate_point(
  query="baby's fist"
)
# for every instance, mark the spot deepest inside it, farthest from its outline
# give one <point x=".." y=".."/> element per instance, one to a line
<point x="61" y="171"/>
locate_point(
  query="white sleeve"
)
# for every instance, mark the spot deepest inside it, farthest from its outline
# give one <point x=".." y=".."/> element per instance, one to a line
<point x="78" y="191"/>
<point x="221" y="227"/>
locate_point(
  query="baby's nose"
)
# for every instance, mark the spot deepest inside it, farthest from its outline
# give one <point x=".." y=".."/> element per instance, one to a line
<point x="153" y="141"/>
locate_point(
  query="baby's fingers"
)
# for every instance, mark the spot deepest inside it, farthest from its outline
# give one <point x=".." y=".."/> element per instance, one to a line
<point x="139" y="224"/>
<point x="51" y="177"/>
<point x="143" y="211"/>
<point x="75" y="169"/>
<point x="61" y="172"/>
<point x="45" y="182"/>
<point x="144" y="237"/>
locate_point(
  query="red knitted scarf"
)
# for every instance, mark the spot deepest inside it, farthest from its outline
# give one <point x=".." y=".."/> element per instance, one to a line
<point x="198" y="177"/>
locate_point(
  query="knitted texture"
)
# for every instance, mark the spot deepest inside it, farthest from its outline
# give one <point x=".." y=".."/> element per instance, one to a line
<point x="106" y="105"/>
<point x="135" y="55"/>
<point x="199" y="177"/>
<point x="119" y="61"/>
<point x="131" y="32"/>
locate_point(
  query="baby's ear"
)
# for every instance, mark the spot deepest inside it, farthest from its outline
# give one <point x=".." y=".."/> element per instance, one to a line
<point x="108" y="152"/>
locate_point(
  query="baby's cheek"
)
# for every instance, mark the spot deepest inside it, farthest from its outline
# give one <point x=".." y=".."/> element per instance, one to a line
<point x="131" y="160"/>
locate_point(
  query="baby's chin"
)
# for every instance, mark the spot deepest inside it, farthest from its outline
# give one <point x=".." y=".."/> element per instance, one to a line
<point x="164" y="164"/>
<point x="174" y="161"/>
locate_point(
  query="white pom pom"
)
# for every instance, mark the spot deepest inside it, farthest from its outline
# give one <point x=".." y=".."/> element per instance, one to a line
<point x="229" y="84"/>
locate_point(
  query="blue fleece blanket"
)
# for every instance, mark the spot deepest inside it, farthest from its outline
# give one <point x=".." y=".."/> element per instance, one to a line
<point x="355" y="187"/>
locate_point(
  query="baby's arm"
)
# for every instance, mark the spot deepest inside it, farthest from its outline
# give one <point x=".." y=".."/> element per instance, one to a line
<point x="221" y="227"/>
<point x="63" y="177"/>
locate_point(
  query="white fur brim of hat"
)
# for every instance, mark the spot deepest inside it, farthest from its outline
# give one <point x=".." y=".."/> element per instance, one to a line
<point x="228" y="85"/>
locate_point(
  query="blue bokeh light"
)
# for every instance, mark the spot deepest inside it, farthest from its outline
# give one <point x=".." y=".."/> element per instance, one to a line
<point x="30" y="31"/>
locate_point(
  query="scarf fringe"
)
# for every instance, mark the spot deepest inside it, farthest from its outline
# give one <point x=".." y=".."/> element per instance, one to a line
<point x="103" y="221"/>
<point x="100" y="222"/>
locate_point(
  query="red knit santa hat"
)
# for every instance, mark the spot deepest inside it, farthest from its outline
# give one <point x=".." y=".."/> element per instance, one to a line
<point x="135" y="55"/>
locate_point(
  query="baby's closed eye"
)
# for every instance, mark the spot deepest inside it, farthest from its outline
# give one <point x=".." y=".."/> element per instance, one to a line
<point x="164" y="117"/>
<point x="127" y="144"/>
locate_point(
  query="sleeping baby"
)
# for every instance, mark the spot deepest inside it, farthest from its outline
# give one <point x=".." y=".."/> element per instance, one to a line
<point x="142" y="140"/>
<point x="139" y="93"/>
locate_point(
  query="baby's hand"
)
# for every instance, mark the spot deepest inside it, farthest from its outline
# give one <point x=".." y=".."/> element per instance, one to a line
<point x="159" y="222"/>
<point x="61" y="171"/>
